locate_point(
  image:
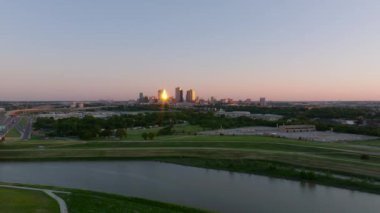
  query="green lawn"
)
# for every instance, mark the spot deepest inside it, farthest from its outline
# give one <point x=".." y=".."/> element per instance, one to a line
<point x="23" y="122"/>
<point x="13" y="133"/>
<point x="80" y="201"/>
<point x="94" y="202"/>
<point x="187" y="129"/>
<point x="135" y="134"/>
<point x="25" y="201"/>
<point x="372" y="143"/>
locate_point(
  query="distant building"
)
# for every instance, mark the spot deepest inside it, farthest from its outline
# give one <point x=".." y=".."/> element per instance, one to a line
<point x="141" y="97"/>
<point x="81" y="105"/>
<point x="267" y="117"/>
<point x="298" y="128"/>
<point x="2" y="128"/>
<point x="203" y="102"/>
<point x="248" y="101"/>
<point x="237" y="114"/>
<point x="234" y="114"/>
<point x="213" y="100"/>
<point x="263" y="101"/>
<point x="190" y="96"/>
<point x="73" y="105"/>
<point x="178" y="95"/>
<point x="152" y="100"/>
<point x="159" y="93"/>
<point x="163" y="95"/>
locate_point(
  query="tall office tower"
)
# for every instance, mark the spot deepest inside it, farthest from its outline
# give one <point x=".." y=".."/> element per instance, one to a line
<point x="190" y="96"/>
<point x="141" y="96"/>
<point x="163" y="95"/>
<point x="178" y="95"/>
<point x="159" y="94"/>
<point x="263" y="102"/>
<point x="213" y="100"/>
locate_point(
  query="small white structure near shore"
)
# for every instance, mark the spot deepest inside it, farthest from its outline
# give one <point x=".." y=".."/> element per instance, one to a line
<point x="237" y="114"/>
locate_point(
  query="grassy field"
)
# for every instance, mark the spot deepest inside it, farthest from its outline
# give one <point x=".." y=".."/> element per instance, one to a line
<point x="25" y="201"/>
<point x="13" y="133"/>
<point x="282" y="170"/>
<point x="80" y="201"/>
<point x="23" y="122"/>
<point x="88" y="202"/>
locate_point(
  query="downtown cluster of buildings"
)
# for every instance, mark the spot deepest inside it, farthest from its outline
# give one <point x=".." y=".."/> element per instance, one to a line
<point x="163" y="97"/>
<point x="182" y="97"/>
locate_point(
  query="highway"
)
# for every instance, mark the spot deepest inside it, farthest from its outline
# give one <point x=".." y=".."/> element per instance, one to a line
<point x="14" y="121"/>
<point x="28" y="130"/>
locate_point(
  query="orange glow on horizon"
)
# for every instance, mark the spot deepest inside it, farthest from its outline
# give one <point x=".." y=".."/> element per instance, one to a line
<point x="164" y="96"/>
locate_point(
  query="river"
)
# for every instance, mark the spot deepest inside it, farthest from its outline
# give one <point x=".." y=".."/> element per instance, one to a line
<point x="208" y="189"/>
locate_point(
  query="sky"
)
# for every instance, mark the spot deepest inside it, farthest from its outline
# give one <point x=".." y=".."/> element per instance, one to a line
<point x="293" y="50"/>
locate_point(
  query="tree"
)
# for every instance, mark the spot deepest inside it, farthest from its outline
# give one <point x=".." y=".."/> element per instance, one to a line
<point x="166" y="130"/>
<point x="87" y="135"/>
<point x="151" y="135"/>
<point x="121" y="133"/>
<point x="145" y="135"/>
<point x="105" y="133"/>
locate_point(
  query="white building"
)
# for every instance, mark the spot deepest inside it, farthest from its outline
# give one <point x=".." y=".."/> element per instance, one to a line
<point x="236" y="114"/>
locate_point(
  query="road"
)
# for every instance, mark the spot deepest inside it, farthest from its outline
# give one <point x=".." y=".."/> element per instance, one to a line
<point x="9" y="123"/>
<point x="28" y="130"/>
<point x="14" y="122"/>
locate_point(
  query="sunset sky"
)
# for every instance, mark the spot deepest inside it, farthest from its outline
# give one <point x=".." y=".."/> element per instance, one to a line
<point x="113" y="49"/>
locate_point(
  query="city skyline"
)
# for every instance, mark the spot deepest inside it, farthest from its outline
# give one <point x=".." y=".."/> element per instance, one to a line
<point x="286" y="51"/>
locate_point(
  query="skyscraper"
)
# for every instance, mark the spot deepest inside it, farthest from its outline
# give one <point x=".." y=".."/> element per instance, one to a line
<point x="141" y="96"/>
<point x="163" y="95"/>
<point x="263" y="101"/>
<point x="159" y="94"/>
<point x="178" y="95"/>
<point x="190" y="96"/>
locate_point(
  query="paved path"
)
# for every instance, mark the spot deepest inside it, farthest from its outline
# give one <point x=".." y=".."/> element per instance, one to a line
<point x="61" y="202"/>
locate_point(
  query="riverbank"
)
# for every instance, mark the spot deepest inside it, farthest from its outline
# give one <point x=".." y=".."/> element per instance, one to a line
<point x="322" y="163"/>
<point x="285" y="171"/>
<point x="19" y="200"/>
<point x="79" y="201"/>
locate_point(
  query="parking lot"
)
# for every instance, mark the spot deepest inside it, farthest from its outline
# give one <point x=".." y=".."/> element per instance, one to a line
<point x="322" y="136"/>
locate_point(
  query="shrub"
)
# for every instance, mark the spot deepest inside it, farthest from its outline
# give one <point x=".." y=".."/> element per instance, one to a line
<point x="151" y="135"/>
<point x="121" y="133"/>
<point x="364" y="157"/>
<point x="272" y="167"/>
<point x="166" y="130"/>
<point x="307" y="175"/>
<point x="144" y="135"/>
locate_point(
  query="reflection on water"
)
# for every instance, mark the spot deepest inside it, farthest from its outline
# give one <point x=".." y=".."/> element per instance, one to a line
<point x="308" y="185"/>
<point x="203" y="188"/>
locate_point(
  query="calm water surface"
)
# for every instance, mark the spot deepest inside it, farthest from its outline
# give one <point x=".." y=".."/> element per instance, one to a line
<point x="203" y="188"/>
